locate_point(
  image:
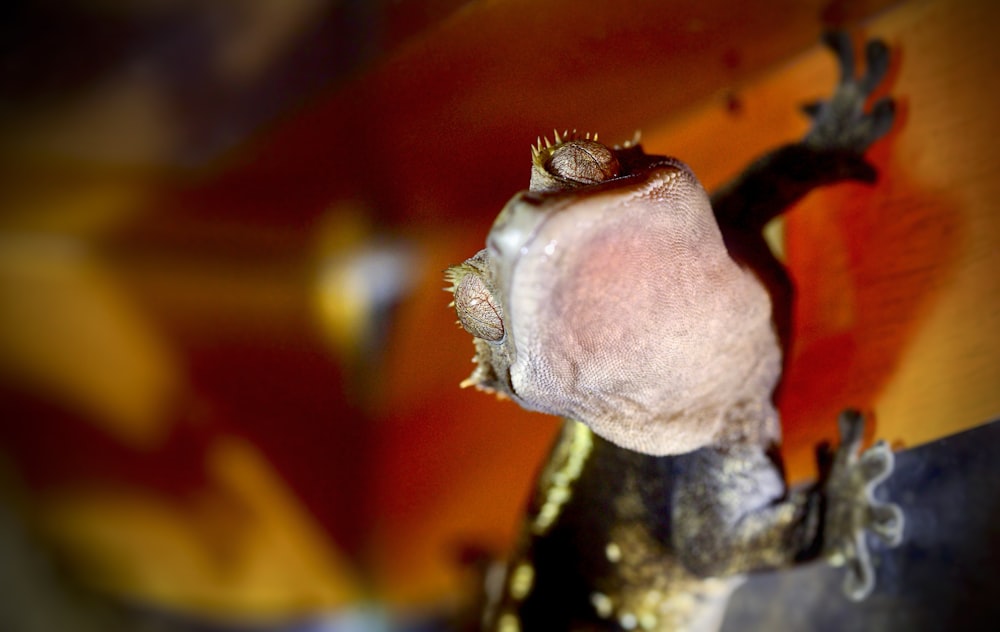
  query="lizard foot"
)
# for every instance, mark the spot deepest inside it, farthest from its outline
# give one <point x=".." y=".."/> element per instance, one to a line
<point x="852" y="509"/>
<point x="842" y="122"/>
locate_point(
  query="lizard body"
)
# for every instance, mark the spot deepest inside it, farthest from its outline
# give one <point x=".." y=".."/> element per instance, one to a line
<point x="616" y="294"/>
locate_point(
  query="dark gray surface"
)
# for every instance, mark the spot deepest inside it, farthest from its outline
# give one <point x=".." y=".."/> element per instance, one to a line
<point x="945" y="575"/>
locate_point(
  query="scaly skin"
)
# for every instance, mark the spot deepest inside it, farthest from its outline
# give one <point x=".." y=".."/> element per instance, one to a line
<point x="613" y="293"/>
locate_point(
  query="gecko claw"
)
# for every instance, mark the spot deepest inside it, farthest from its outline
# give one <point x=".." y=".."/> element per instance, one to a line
<point x="840" y="44"/>
<point x="886" y="521"/>
<point x="882" y="116"/>
<point x="811" y="109"/>
<point x="853" y="510"/>
<point x="876" y="463"/>
<point x="851" y="425"/>
<point x="841" y="122"/>
<point x="860" y="578"/>
<point x="877" y="61"/>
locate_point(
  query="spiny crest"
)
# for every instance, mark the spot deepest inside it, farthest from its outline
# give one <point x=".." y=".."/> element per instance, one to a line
<point x="636" y="139"/>
<point x="453" y="275"/>
<point x="544" y="147"/>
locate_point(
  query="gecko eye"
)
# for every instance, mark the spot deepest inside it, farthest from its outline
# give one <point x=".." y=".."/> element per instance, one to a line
<point x="477" y="309"/>
<point x="571" y="162"/>
<point x="583" y="161"/>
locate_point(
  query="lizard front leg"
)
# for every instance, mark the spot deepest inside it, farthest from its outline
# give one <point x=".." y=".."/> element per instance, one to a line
<point x="832" y="151"/>
<point x="731" y="514"/>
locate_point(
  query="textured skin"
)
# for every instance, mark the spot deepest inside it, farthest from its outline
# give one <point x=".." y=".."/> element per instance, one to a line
<point x="624" y="311"/>
<point x="641" y="314"/>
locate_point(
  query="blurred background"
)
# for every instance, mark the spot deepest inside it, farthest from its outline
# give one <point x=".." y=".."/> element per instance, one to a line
<point x="228" y="374"/>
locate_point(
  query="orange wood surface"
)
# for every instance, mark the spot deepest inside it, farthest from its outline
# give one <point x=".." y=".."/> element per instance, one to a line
<point x="897" y="284"/>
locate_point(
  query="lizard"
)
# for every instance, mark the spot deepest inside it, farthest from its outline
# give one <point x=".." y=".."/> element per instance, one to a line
<point x="616" y="294"/>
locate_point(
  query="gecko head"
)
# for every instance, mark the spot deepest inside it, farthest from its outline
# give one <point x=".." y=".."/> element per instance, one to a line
<point x="605" y="294"/>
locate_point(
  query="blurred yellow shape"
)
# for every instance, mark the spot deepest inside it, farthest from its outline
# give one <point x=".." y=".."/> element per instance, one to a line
<point x="242" y="547"/>
<point x="69" y="333"/>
